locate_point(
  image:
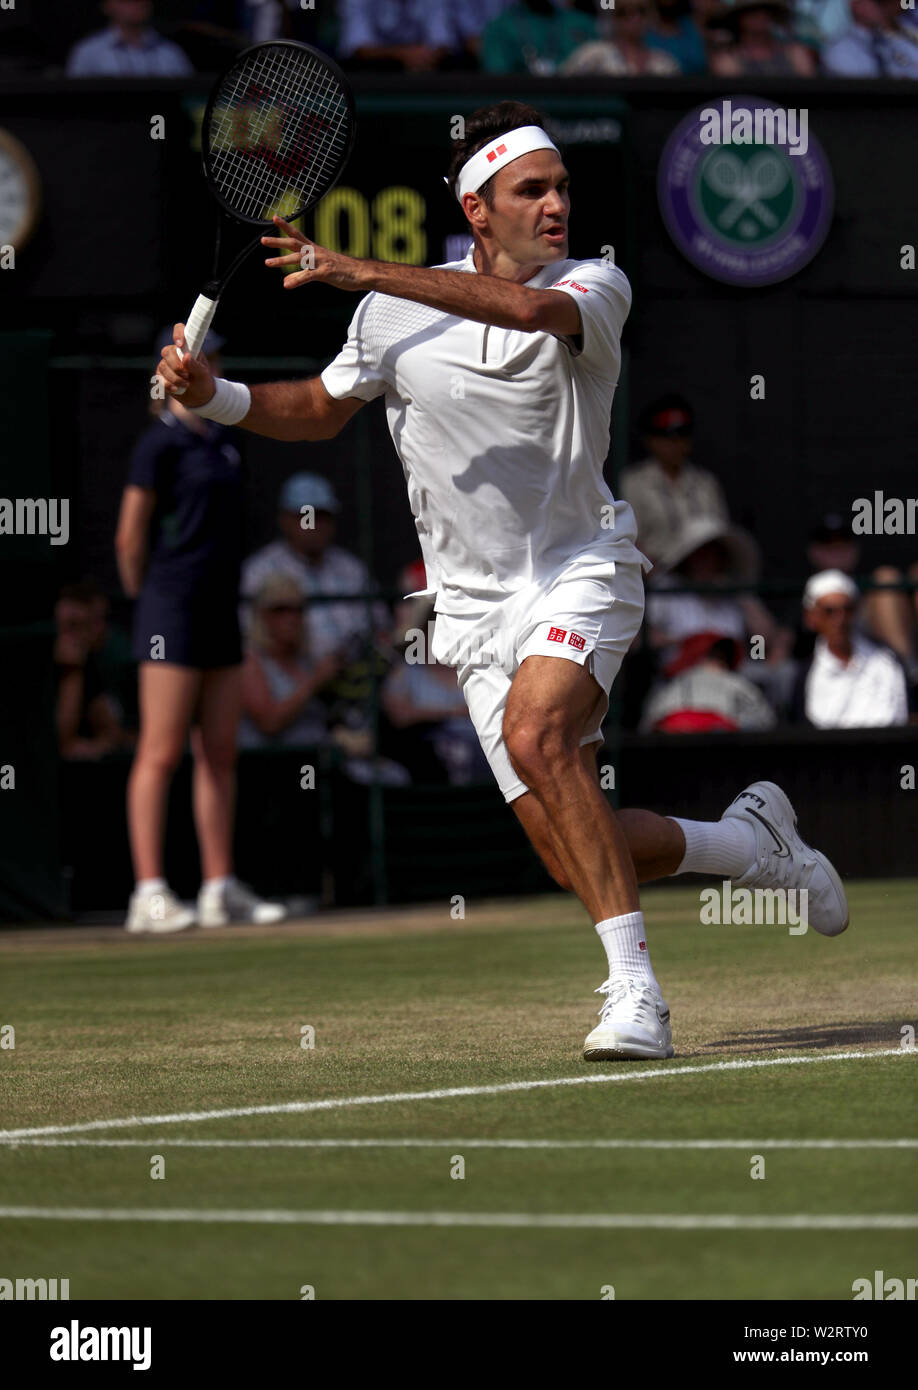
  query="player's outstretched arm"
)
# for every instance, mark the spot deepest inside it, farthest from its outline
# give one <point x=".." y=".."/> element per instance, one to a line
<point x="483" y="298"/>
<point x="286" y="410"/>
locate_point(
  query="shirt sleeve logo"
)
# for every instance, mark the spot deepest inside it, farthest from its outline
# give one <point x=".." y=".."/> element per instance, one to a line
<point x="557" y="634"/>
<point x="576" y="641"/>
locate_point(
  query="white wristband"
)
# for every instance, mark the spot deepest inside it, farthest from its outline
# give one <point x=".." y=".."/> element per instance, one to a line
<point x="229" y="404"/>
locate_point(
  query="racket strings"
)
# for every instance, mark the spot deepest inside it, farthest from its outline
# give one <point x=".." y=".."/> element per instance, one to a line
<point x="279" y="130"/>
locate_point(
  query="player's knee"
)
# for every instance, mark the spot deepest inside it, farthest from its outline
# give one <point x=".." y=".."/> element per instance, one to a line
<point x="538" y="746"/>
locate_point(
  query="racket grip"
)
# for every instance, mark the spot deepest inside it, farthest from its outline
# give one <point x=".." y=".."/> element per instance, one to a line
<point x="199" y="320"/>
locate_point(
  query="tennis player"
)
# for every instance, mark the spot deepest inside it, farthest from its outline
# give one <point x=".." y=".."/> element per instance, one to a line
<point x="498" y="374"/>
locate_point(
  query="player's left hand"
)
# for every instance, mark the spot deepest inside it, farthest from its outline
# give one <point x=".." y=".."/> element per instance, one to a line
<point x="313" y="262"/>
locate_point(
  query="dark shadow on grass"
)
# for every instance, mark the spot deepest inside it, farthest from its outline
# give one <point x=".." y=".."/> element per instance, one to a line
<point x="822" y="1035"/>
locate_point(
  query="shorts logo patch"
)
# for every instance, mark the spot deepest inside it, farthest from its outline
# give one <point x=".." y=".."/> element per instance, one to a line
<point x="575" y="640"/>
<point x="557" y="634"/>
<point x="642" y="945"/>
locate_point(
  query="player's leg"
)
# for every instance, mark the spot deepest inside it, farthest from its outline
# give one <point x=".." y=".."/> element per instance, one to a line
<point x="656" y="843"/>
<point x="222" y="899"/>
<point x="755" y="844"/>
<point x="167" y="695"/>
<point x="550" y="704"/>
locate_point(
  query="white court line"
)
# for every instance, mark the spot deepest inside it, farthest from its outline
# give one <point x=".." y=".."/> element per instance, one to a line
<point x="163" y="1141"/>
<point x="305" y="1107"/>
<point x="618" y="1221"/>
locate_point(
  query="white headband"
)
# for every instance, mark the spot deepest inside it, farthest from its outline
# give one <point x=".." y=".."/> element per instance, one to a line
<point x="502" y="150"/>
<point x="829" y="582"/>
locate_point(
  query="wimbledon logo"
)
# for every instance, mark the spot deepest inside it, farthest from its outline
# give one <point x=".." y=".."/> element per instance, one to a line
<point x="744" y="198"/>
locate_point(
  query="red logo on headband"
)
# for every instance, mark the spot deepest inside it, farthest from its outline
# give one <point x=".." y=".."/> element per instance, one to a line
<point x="492" y="154"/>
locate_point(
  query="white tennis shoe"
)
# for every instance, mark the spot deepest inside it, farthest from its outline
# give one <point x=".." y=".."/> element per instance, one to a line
<point x="633" y="1022"/>
<point x="783" y="860"/>
<point x="234" y="902"/>
<point x="158" y="913"/>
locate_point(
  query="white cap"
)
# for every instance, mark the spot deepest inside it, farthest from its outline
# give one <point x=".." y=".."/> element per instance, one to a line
<point x="503" y="149"/>
<point x="829" y="582"/>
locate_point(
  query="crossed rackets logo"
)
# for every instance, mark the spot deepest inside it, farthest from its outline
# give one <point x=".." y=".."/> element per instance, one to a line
<point x="746" y="184"/>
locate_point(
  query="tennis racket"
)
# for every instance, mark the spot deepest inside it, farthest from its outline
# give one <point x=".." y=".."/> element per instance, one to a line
<point x="278" y="130"/>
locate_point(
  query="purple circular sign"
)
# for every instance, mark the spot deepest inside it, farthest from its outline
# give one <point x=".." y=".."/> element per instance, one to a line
<point x="745" y="190"/>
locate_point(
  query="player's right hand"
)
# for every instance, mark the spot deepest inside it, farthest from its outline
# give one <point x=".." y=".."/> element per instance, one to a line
<point x="188" y="380"/>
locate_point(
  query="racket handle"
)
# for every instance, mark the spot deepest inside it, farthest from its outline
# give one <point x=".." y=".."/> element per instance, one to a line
<point x="199" y="320"/>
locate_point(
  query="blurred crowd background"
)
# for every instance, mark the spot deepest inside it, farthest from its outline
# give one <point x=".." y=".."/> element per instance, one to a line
<point x="746" y="38"/>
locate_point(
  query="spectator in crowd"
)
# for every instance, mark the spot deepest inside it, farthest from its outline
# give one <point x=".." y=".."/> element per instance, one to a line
<point x="832" y="545"/>
<point x="306" y="552"/>
<point x="178" y="550"/>
<point x="88" y="717"/>
<point x="713" y="39"/>
<point x="625" y="49"/>
<point x="470" y="19"/>
<point x="713" y="554"/>
<point x="850" y="682"/>
<point x="888" y="615"/>
<point x="129" y="47"/>
<point x="892" y="616"/>
<point x="280" y="681"/>
<point x="395" y="35"/>
<point x="817" y="22"/>
<point x="702" y="11"/>
<point x="705" y="693"/>
<point x="667" y="490"/>
<point x="758" y="46"/>
<point x="422" y="697"/>
<point x="707" y="552"/>
<point x="415" y="609"/>
<point x="255" y="21"/>
<point x="878" y="43"/>
<point x="110" y="647"/>
<point x="675" y="31"/>
<point x="535" y="36"/>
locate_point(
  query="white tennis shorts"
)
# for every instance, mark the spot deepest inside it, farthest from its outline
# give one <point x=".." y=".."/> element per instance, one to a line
<point x="591" y="621"/>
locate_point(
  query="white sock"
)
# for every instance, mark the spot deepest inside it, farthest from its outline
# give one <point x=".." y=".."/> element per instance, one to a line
<point x="626" y="947"/>
<point x="145" y="887"/>
<point x="724" y="847"/>
<point x="217" y="885"/>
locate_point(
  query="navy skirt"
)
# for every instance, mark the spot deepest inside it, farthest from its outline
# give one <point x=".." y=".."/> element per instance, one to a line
<point x="201" y="632"/>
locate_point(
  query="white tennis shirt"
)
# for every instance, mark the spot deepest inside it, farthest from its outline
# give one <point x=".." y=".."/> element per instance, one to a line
<point x="502" y="434"/>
